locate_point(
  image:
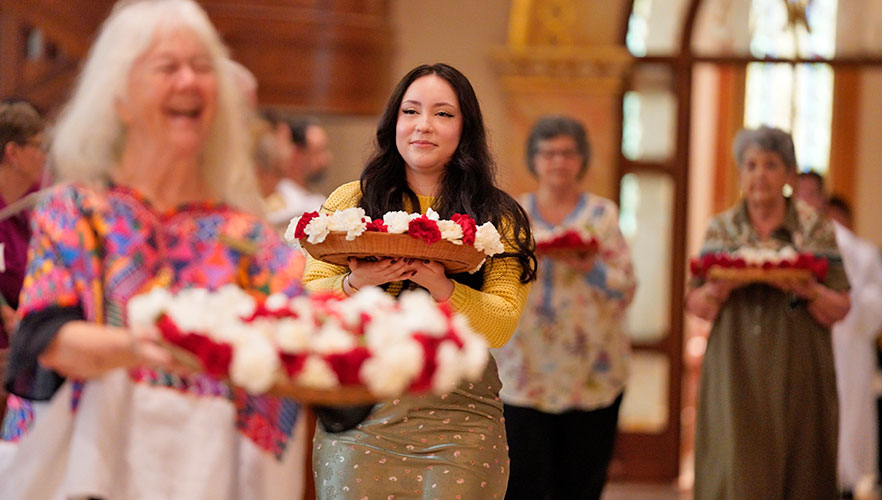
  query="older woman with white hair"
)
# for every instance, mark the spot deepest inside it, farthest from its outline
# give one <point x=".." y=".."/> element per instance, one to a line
<point x="767" y="418"/>
<point x="157" y="190"/>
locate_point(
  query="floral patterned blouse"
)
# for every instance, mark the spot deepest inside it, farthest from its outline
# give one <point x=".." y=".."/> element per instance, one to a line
<point x="570" y="350"/>
<point x="95" y="250"/>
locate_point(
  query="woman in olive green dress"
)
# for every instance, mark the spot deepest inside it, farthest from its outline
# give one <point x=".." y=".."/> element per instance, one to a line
<point x="431" y="151"/>
<point x="767" y="407"/>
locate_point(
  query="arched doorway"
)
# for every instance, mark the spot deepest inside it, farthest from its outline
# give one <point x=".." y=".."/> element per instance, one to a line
<point x="692" y="85"/>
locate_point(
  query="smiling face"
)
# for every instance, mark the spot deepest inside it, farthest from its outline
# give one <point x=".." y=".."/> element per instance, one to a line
<point x="171" y="94"/>
<point x="429" y="127"/>
<point x="763" y="175"/>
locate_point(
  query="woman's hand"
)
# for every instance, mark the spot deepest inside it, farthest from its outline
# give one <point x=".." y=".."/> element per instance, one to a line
<point x="364" y="273"/>
<point x="825" y="305"/>
<point x="707" y="300"/>
<point x="432" y="276"/>
<point x="87" y="350"/>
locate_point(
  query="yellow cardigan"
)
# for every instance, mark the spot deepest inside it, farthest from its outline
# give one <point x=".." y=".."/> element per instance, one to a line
<point x="492" y="311"/>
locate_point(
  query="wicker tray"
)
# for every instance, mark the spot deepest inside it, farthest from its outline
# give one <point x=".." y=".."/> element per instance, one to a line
<point x="337" y="396"/>
<point x="343" y="395"/>
<point x="753" y="275"/>
<point x="336" y="249"/>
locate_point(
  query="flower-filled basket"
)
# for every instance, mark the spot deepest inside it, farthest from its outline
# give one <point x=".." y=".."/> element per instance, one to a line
<point x="318" y="349"/>
<point x="566" y="242"/>
<point x="748" y="265"/>
<point x="459" y="244"/>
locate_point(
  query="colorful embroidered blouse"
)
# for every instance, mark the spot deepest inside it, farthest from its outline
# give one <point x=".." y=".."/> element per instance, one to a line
<point x="569" y="350"/>
<point x="96" y="250"/>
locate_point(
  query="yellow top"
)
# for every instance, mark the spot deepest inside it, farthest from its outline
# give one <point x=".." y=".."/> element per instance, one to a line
<point x="492" y="311"/>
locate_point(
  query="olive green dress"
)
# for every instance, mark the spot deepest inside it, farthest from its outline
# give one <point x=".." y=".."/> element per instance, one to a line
<point x="429" y="446"/>
<point x="767" y="406"/>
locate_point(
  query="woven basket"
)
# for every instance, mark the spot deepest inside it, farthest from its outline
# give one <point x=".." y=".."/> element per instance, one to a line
<point x="753" y="274"/>
<point x="340" y="396"/>
<point x="336" y="249"/>
<point x="344" y="395"/>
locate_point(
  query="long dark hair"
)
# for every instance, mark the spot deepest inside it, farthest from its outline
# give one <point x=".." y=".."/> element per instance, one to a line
<point x="468" y="184"/>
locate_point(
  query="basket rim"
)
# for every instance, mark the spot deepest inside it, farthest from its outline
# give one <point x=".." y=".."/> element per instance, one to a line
<point x="336" y="249"/>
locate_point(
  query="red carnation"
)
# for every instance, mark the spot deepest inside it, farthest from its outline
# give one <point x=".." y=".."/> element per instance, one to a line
<point x="423" y="382"/>
<point x="695" y="267"/>
<point x="424" y="228"/>
<point x="378" y="226"/>
<point x="347" y="365"/>
<point x="468" y="226"/>
<point x="292" y="363"/>
<point x="820" y="267"/>
<point x="300" y="230"/>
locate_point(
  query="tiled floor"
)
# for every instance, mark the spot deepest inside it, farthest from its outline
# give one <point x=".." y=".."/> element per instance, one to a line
<point x="630" y="491"/>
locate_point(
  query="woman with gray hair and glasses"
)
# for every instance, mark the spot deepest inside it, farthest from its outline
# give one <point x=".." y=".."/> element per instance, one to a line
<point x="565" y="368"/>
<point x="157" y="190"/>
<point x="767" y="405"/>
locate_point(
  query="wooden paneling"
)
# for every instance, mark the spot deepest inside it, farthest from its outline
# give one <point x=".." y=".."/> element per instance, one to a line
<point x="315" y="56"/>
<point x="844" y="133"/>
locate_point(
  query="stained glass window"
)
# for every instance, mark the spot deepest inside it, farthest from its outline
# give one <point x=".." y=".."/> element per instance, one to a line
<point x="796" y="98"/>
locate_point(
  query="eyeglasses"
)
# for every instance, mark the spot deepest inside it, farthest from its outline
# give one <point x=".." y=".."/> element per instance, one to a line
<point x="566" y="154"/>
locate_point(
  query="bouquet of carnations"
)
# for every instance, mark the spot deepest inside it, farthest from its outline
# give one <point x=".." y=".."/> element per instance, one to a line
<point x="318" y="348"/>
<point x="564" y="242"/>
<point x="459" y="243"/>
<point x="760" y="264"/>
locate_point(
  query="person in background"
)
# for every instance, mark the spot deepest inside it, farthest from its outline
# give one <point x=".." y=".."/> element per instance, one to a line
<point x="22" y="163"/>
<point x="564" y="371"/>
<point x="431" y="151"/>
<point x="292" y="196"/>
<point x="854" y="340"/>
<point x="767" y="404"/>
<point x="157" y="190"/>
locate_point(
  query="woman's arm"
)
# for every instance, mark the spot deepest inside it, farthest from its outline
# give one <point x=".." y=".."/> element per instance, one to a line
<point x="86" y="350"/>
<point x="707" y="300"/>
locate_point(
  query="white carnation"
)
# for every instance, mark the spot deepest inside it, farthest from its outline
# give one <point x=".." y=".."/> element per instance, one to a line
<point x="317" y="374"/>
<point x="234" y="332"/>
<point x="396" y="222"/>
<point x="233" y="300"/>
<point x="317" y="229"/>
<point x="449" y="369"/>
<point x="433" y="215"/>
<point x="392" y="369"/>
<point x="291" y="230"/>
<point x="190" y="310"/>
<point x="332" y="338"/>
<point x="487" y="240"/>
<point x="276" y="302"/>
<point x="254" y="364"/>
<point x="144" y="309"/>
<point x="451" y="231"/>
<point x="350" y="220"/>
<point x="293" y="335"/>
<point x="420" y="312"/>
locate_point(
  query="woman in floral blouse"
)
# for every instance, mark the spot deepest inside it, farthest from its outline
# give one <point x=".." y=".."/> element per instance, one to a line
<point x="564" y="370"/>
<point x="159" y="191"/>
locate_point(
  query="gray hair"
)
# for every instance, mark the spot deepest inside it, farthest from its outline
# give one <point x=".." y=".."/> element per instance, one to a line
<point x="768" y="139"/>
<point x="88" y="139"/>
<point x="551" y="126"/>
